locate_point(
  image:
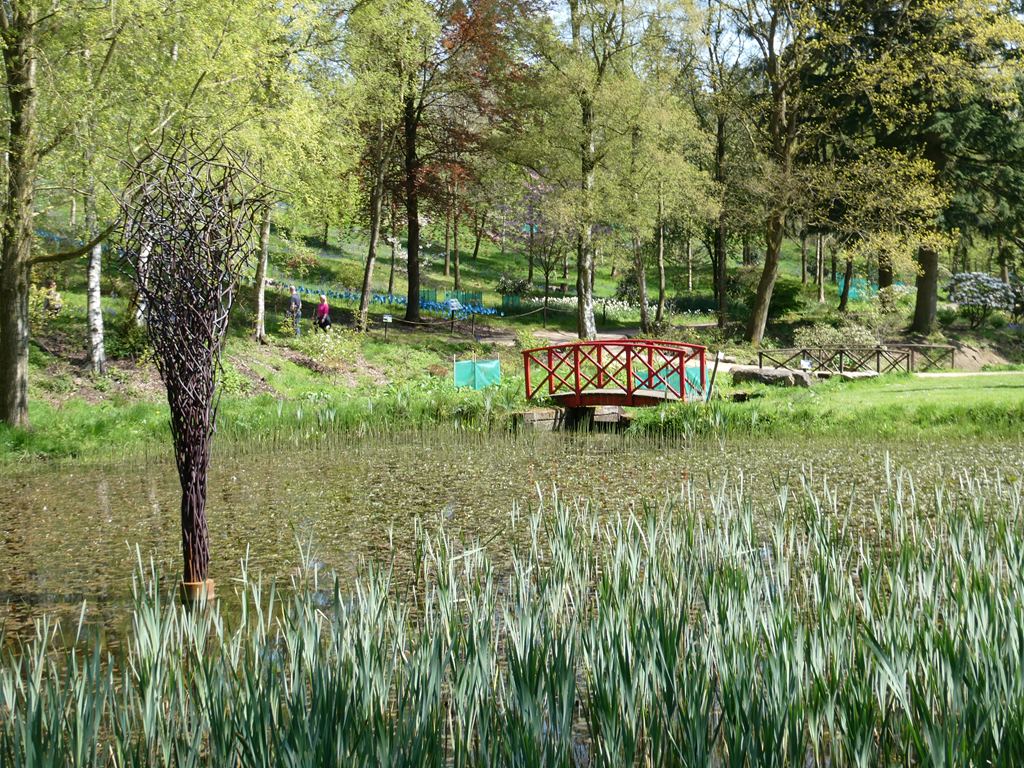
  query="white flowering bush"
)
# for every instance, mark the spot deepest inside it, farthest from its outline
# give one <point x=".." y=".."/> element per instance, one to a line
<point x="509" y="285"/>
<point x="978" y="294"/>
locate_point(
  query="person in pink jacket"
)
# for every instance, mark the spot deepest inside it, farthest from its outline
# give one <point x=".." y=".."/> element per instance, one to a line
<point x="322" y="315"/>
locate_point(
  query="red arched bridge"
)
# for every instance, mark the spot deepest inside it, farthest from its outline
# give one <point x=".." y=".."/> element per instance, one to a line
<point x="628" y="372"/>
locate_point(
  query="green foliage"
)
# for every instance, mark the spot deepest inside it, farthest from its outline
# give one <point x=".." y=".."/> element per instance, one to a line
<point x="126" y="339"/>
<point x="787" y="297"/>
<point x="38" y="317"/>
<point x="231" y="382"/>
<point x="825" y="335"/>
<point x="337" y="346"/>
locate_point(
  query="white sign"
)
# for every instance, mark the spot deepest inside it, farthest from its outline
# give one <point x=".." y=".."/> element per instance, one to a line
<point x="454" y="305"/>
<point x="386" y="318"/>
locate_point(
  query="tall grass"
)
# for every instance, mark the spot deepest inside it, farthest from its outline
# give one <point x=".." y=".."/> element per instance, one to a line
<point x="702" y="632"/>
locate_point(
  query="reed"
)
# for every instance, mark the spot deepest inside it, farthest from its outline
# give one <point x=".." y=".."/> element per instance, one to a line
<point x="708" y="630"/>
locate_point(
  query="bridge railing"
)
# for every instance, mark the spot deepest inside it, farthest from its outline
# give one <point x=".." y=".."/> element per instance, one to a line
<point x="629" y="368"/>
<point x="887" y="358"/>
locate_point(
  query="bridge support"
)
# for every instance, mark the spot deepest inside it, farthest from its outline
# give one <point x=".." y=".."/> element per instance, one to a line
<point x="601" y="418"/>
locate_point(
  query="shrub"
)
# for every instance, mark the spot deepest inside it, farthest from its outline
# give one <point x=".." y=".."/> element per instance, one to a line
<point x="824" y="335"/>
<point x="508" y="285"/>
<point x="331" y="348"/>
<point x="893" y="298"/>
<point x="126" y="338"/>
<point x="628" y="287"/>
<point x="978" y="294"/>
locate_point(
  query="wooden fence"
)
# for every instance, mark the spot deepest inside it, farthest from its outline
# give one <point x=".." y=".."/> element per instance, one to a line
<point x="888" y="358"/>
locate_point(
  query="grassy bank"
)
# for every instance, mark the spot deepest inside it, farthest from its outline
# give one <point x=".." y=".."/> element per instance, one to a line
<point x="894" y="406"/>
<point x="297" y="406"/>
<point x="718" y="630"/>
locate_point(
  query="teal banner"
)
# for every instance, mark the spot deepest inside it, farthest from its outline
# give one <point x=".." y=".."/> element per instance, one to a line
<point x="477" y="374"/>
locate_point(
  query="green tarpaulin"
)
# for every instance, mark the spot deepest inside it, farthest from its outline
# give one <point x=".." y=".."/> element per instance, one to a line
<point x="477" y="374"/>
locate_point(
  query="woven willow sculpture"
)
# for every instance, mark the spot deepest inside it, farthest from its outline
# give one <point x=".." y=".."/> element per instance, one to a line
<point x="188" y="231"/>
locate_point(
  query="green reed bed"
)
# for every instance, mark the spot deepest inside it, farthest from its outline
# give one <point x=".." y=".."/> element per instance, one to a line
<point x="708" y="631"/>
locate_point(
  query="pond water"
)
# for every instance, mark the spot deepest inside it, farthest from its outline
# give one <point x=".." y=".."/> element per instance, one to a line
<point x="71" y="532"/>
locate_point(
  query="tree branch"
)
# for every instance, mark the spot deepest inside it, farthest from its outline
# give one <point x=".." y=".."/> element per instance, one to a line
<point x="74" y="253"/>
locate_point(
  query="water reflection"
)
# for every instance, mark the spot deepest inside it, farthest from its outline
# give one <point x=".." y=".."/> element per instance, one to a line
<point x="75" y="532"/>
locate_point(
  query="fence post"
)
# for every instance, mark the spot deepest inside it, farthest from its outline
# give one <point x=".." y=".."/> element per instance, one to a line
<point x="841" y="367"/>
<point x="911" y="361"/>
<point x="760" y="359"/>
<point x="526" y="368"/>
<point x="600" y="365"/>
<point x="878" y="359"/>
<point x="551" y="374"/>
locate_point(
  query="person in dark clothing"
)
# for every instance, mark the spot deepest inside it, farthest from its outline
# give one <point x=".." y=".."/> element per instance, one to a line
<point x="295" y="308"/>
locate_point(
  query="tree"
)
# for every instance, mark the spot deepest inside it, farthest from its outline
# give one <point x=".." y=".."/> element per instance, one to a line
<point x="379" y="91"/>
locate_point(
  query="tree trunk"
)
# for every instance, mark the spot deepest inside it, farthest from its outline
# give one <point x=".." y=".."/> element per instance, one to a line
<point x="94" y="305"/>
<point x="659" y="316"/>
<point x="803" y="257"/>
<point x="844" y="298"/>
<point x="394" y="245"/>
<point x="529" y="248"/>
<point x="884" y="271"/>
<point x="832" y="253"/>
<point x="819" y="267"/>
<point x="719" y="257"/>
<point x="586" y="326"/>
<point x="641" y="284"/>
<point x="19" y="52"/>
<point x="478" y="236"/>
<point x="73" y="218"/>
<point x="447" y="239"/>
<point x="720" y="270"/>
<point x="260" y="331"/>
<point x="376" y="208"/>
<point x="765" y="286"/>
<point x="412" y="165"/>
<point x="689" y="264"/>
<point x="927" y="291"/>
<point x="327" y="234"/>
<point x="455" y="248"/>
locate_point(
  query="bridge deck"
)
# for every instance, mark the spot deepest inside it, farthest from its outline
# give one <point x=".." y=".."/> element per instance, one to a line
<point x="639" y="397"/>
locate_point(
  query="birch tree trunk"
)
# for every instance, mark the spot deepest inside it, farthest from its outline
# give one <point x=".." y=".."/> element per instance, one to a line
<point x="94" y="299"/>
<point x="261" y="278"/>
<point x="819" y="259"/>
<point x="689" y="264"/>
